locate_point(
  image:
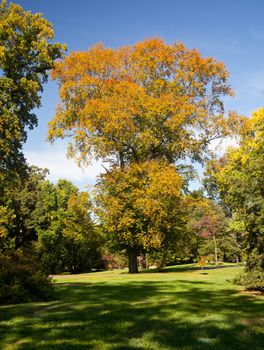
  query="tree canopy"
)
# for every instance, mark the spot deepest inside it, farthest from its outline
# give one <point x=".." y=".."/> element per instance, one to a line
<point x="135" y="103"/>
<point x="239" y="178"/>
<point x="26" y="56"/>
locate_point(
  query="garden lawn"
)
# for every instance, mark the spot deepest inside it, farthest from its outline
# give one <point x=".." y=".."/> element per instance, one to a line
<point x="180" y="308"/>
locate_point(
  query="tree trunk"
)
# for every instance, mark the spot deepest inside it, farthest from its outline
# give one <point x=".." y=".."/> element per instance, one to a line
<point x="215" y="248"/>
<point x="132" y="261"/>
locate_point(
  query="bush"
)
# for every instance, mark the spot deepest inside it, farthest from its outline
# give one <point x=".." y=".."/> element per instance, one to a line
<point x="22" y="280"/>
<point x="254" y="280"/>
<point x="251" y="280"/>
<point x="110" y="261"/>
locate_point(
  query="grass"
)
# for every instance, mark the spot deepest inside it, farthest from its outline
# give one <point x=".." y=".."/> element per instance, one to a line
<point x="180" y="308"/>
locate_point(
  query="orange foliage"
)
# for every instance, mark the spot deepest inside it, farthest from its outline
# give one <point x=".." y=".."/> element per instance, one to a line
<point x="146" y="101"/>
<point x="140" y="203"/>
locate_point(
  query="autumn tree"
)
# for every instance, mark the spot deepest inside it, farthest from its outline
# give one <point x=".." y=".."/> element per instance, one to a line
<point x="134" y="104"/>
<point x="239" y="177"/>
<point x="209" y="227"/>
<point x="215" y="233"/>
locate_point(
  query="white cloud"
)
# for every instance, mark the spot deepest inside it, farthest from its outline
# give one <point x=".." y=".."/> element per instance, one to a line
<point x="61" y="167"/>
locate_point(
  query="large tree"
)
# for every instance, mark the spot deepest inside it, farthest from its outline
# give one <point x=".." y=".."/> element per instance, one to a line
<point x="239" y="178"/>
<point x="26" y="56"/>
<point x="135" y="104"/>
<point x="27" y="53"/>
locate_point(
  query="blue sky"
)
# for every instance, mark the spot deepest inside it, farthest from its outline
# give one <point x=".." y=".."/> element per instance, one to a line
<point x="230" y="31"/>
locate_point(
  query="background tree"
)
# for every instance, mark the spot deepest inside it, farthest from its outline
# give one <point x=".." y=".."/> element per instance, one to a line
<point x="6" y="222"/>
<point x="21" y="275"/>
<point x="209" y="227"/>
<point x="239" y="178"/>
<point x="67" y="237"/>
<point x="213" y="230"/>
<point x="20" y="201"/>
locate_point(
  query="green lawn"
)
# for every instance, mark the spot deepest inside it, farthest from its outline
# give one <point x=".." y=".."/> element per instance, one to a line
<point x="179" y="308"/>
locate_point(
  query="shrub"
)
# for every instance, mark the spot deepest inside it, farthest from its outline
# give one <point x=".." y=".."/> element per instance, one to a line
<point x="110" y="261"/>
<point x="251" y="280"/>
<point x="254" y="280"/>
<point x="22" y="280"/>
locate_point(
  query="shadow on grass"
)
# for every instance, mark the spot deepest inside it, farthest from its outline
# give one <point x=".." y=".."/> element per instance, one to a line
<point x="136" y="315"/>
<point x="186" y="268"/>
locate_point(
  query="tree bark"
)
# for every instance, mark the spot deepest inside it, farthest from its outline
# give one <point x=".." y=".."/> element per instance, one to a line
<point x="215" y="247"/>
<point x="132" y="261"/>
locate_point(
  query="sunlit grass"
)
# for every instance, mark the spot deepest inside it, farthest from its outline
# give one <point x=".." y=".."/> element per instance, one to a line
<point x="180" y="308"/>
